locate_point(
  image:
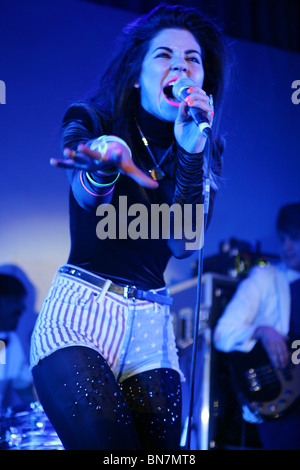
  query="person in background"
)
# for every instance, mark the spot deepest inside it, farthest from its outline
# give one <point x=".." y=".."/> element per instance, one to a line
<point x="266" y="308"/>
<point x="16" y="383"/>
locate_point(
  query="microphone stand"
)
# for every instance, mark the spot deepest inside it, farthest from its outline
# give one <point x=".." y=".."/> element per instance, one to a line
<point x="199" y="287"/>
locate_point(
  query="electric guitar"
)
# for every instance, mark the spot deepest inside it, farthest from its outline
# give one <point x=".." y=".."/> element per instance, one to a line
<point x="268" y="392"/>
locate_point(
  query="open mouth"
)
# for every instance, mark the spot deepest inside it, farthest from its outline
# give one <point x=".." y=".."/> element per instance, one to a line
<point x="168" y="92"/>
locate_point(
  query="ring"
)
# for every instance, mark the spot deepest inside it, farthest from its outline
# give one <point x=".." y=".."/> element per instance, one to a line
<point x="100" y="144"/>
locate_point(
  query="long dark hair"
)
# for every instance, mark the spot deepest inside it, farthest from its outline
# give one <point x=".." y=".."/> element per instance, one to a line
<point x="288" y="220"/>
<point x="116" y="95"/>
<point x="116" y="98"/>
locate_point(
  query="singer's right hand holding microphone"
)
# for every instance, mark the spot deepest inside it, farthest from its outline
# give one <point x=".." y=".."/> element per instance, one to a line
<point x="186" y="131"/>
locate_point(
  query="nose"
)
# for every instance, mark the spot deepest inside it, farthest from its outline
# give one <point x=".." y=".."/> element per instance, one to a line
<point x="179" y="65"/>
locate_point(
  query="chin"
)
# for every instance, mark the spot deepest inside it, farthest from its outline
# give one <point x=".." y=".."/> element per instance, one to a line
<point x="168" y="113"/>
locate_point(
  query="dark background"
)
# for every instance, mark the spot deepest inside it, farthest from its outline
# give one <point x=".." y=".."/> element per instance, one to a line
<point x="272" y="22"/>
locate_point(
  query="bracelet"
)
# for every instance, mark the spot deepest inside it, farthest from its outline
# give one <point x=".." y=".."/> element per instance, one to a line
<point x="94" y="194"/>
<point x="91" y="180"/>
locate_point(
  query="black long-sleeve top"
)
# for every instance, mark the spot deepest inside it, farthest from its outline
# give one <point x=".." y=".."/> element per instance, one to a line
<point x="140" y="262"/>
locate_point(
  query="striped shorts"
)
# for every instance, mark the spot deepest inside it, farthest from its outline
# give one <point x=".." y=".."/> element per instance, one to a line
<point x="133" y="336"/>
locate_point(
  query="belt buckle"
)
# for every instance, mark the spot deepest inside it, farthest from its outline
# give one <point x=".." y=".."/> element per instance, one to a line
<point x="129" y="292"/>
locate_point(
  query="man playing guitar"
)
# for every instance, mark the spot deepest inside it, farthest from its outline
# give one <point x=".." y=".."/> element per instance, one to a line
<point x="265" y="311"/>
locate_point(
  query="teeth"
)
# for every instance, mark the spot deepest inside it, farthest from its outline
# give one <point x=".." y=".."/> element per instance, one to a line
<point x="170" y="84"/>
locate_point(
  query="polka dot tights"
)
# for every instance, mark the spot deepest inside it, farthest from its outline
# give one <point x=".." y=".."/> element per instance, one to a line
<point x="89" y="409"/>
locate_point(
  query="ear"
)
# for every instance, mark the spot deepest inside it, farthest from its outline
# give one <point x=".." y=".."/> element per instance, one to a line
<point x="136" y="84"/>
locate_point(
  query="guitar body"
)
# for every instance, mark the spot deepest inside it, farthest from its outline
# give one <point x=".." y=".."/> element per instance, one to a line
<point x="268" y="392"/>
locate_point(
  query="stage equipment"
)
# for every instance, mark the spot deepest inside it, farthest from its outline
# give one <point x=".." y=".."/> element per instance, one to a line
<point x="216" y="421"/>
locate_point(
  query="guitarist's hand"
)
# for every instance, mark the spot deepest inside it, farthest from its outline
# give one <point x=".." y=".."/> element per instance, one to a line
<point x="274" y="344"/>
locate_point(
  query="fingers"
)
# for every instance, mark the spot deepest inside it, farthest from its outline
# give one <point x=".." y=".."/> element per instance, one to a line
<point x="83" y="149"/>
<point x="274" y="345"/>
<point x="87" y="159"/>
<point x="142" y="179"/>
<point x="199" y="99"/>
<point x="127" y="167"/>
<point x="278" y="358"/>
<point x="280" y="355"/>
<point x="76" y="160"/>
<point x="91" y="160"/>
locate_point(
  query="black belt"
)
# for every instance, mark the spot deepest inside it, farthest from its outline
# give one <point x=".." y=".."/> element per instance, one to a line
<point x="128" y="292"/>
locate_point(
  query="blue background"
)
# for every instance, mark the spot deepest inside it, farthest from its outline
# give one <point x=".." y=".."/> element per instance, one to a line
<point x="51" y="54"/>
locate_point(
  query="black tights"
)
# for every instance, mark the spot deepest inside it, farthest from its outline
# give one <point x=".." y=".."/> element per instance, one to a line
<point x="89" y="409"/>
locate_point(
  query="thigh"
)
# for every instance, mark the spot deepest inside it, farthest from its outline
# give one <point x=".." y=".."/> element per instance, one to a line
<point x="154" y="399"/>
<point x="83" y="401"/>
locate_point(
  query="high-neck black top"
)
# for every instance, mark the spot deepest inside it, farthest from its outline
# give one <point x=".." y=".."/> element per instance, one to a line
<point x="123" y="259"/>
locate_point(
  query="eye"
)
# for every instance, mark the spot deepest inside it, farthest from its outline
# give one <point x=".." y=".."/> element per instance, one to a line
<point x="164" y="55"/>
<point x="194" y="59"/>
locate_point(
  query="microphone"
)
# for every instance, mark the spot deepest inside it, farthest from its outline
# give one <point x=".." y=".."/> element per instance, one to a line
<point x="180" y="92"/>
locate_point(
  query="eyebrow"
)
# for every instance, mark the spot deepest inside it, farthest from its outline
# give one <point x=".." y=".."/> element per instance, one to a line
<point x="189" y="51"/>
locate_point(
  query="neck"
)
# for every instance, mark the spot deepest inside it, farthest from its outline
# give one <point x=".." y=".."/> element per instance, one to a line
<point x="161" y="132"/>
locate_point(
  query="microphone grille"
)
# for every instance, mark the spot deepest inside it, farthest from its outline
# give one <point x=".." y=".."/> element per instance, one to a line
<point x="180" y="85"/>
